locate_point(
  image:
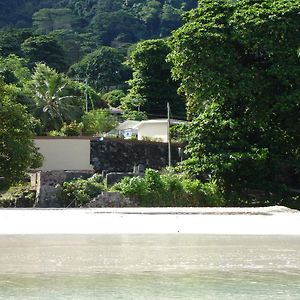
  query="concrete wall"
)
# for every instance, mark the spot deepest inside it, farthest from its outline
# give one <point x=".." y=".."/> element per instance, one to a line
<point x="154" y="130"/>
<point x="64" y="153"/>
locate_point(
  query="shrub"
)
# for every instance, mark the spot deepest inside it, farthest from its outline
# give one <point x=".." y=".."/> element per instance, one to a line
<point x="79" y="192"/>
<point x="72" y="129"/>
<point x="169" y="189"/>
<point x="21" y="195"/>
<point x="113" y="98"/>
<point x="55" y="133"/>
<point x="132" y="187"/>
<point x="97" y="122"/>
<point x="135" y="115"/>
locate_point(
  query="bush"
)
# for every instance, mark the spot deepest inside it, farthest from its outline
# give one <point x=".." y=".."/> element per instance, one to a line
<point x="135" y="115"/>
<point x="72" y="129"/>
<point x="97" y="122"/>
<point x="21" y="195"/>
<point x="169" y="190"/>
<point x="79" y="192"/>
<point x="113" y="98"/>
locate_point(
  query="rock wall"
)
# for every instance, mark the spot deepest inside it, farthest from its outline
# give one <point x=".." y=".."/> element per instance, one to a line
<point x="46" y="185"/>
<point x="111" y="155"/>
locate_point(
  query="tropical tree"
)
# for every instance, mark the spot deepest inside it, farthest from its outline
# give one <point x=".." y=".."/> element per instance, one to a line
<point x="103" y="69"/>
<point x="112" y="26"/>
<point x="114" y="97"/>
<point x="97" y="122"/>
<point x="150" y="14"/>
<point x="239" y="70"/>
<point x="72" y="43"/>
<point x="54" y="102"/>
<point x="12" y="39"/>
<point x="49" y="19"/>
<point x="152" y="86"/>
<point x="44" y="49"/>
<point x="18" y="153"/>
<point x="13" y="69"/>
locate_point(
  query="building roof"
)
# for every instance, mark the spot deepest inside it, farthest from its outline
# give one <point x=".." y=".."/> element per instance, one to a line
<point x="157" y="121"/>
<point x="128" y="124"/>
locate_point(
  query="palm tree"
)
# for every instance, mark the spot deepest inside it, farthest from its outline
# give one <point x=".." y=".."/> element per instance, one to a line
<point x="51" y="92"/>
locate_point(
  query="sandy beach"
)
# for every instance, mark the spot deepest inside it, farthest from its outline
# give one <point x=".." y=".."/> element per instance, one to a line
<point x="274" y="220"/>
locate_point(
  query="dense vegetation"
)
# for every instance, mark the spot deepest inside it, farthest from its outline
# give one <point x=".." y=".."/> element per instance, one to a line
<point x="169" y="189"/>
<point x="164" y="189"/>
<point x="64" y="63"/>
<point x="239" y="68"/>
<point x="17" y="149"/>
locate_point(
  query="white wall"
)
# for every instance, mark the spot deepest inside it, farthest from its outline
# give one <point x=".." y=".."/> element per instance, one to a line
<point x="64" y="153"/>
<point x="154" y="130"/>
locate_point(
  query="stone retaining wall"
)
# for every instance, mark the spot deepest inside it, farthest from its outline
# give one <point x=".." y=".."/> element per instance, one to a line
<point x="112" y="155"/>
<point x="46" y="185"/>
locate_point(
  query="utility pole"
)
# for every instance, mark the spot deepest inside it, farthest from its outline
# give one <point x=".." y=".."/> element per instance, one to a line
<point x="169" y="135"/>
<point x="86" y="96"/>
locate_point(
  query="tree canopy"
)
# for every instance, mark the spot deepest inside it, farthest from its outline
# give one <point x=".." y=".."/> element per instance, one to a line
<point x="44" y="49"/>
<point x="18" y="153"/>
<point x="102" y="69"/>
<point x="152" y="86"/>
<point x="239" y="70"/>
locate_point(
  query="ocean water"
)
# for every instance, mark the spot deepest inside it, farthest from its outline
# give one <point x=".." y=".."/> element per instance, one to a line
<point x="149" y="267"/>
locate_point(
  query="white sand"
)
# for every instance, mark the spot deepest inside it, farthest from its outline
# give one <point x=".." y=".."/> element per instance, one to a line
<point x="274" y="220"/>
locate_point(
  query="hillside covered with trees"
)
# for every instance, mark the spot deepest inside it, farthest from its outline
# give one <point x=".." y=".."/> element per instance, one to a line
<point x="65" y="63"/>
<point x="91" y="42"/>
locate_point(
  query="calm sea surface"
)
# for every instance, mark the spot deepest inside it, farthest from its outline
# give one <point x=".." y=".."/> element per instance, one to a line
<point x="149" y="267"/>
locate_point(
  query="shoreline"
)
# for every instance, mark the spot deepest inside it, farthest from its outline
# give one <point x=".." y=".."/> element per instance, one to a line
<point x="275" y="220"/>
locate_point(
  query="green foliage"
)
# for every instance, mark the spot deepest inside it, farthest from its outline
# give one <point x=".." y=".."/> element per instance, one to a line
<point x="20" y="195"/>
<point x="134" y="115"/>
<point x="16" y="75"/>
<point x="74" y="45"/>
<point x="44" y="49"/>
<point x="150" y="13"/>
<point x="79" y="192"/>
<point x="239" y="70"/>
<point x="117" y="27"/>
<point x="96" y="122"/>
<point x="72" y="129"/>
<point x="102" y="69"/>
<point x="49" y="19"/>
<point x="18" y="153"/>
<point x="11" y="40"/>
<point x="66" y="33"/>
<point x="83" y="93"/>
<point x="13" y="69"/>
<point x="54" y="102"/>
<point x="18" y="13"/>
<point x="169" y="190"/>
<point x="152" y="87"/>
<point x="113" y="22"/>
<point x="114" y="97"/>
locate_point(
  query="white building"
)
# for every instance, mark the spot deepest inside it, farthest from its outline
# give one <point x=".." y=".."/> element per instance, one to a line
<point x="126" y="129"/>
<point x="156" y="129"/>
